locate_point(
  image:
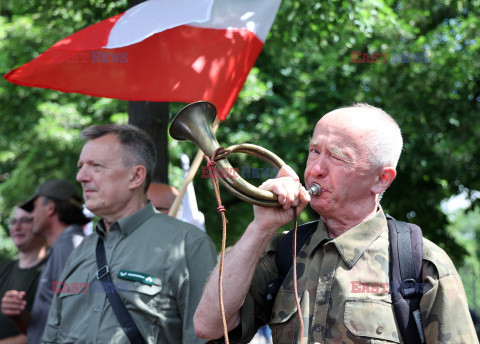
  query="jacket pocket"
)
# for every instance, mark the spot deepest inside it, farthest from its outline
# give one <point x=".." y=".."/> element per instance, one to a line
<point x="153" y="300"/>
<point x="372" y="319"/>
<point x="71" y="301"/>
<point x="284" y="319"/>
<point x="285" y="306"/>
<point x="140" y="288"/>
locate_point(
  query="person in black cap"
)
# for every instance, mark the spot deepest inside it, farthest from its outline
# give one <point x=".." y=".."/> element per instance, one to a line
<point x="58" y="216"/>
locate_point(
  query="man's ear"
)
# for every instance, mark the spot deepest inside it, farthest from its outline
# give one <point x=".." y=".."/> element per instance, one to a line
<point x="139" y="174"/>
<point x="50" y="206"/>
<point x="385" y="178"/>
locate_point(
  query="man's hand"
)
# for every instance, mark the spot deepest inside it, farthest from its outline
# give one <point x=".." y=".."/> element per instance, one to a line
<point x="13" y="303"/>
<point x="241" y="260"/>
<point x="290" y="194"/>
<point x="13" y="306"/>
<point x="19" y="339"/>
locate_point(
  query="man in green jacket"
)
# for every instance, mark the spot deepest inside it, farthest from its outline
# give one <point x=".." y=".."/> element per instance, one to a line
<point x="343" y="269"/>
<point x="158" y="264"/>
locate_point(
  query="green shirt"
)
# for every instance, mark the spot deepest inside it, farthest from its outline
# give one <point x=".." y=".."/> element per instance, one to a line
<point x="343" y="285"/>
<point x="158" y="264"/>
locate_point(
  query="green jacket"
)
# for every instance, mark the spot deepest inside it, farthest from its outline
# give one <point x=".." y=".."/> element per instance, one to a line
<point x="159" y="266"/>
<point x="343" y="285"/>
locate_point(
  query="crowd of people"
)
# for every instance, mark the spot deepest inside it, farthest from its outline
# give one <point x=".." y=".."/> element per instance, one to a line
<point x="142" y="276"/>
<point x="156" y="264"/>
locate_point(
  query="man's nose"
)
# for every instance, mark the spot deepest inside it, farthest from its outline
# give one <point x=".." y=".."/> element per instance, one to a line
<point x="319" y="168"/>
<point x="82" y="174"/>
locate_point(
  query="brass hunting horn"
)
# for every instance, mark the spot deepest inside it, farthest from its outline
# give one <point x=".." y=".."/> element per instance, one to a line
<point x="194" y="123"/>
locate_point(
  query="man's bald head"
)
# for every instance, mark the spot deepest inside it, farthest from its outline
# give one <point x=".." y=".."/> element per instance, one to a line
<point x="162" y="196"/>
<point x="379" y="132"/>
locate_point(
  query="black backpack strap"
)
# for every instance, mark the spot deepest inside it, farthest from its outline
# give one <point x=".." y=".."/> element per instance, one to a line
<point x="284" y="257"/>
<point x="121" y="312"/>
<point x="406" y="247"/>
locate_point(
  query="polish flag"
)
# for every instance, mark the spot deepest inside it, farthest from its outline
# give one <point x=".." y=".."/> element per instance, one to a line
<point x="159" y="50"/>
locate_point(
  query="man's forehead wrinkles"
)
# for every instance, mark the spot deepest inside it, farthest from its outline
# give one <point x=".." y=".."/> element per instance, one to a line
<point x="319" y="140"/>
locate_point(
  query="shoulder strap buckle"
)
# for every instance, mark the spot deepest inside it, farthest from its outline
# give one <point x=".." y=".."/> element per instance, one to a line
<point x="409" y="288"/>
<point x="102" y="272"/>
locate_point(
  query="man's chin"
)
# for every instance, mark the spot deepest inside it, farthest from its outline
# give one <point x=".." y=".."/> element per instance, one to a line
<point x="322" y="208"/>
<point x="318" y="205"/>
<point x="18" y="243"/>
<point x="90" y="208"/>
<point x="90" y="205"/>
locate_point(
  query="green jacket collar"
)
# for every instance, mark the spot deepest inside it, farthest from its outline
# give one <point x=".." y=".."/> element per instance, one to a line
<point x="128" y="224"/>
<point x="353" y="243"/>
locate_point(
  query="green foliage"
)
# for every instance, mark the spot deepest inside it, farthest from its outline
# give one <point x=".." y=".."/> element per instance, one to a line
<point x="466" y="229"/>
<point x="304" y="71"/>
<point x="39" y="132"/>
<point x="307" y="62"/>
<point x="7" y="247"/>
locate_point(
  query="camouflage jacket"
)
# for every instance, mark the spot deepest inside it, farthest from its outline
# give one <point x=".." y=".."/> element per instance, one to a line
<point x="343" y="285"/>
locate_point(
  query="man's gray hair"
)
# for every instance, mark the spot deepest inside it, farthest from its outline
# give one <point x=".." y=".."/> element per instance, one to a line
<point x="137" y="146"/>
<point x="385" y="139"/>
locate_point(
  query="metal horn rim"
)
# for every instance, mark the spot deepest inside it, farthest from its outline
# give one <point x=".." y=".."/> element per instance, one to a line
<point x="194" y="123"/>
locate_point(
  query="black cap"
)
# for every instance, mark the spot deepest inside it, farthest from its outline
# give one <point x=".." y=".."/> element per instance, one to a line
<point x="55" y="189"/>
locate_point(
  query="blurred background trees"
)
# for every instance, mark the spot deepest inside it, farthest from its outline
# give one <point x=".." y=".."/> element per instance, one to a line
<point x="305" y="70"/>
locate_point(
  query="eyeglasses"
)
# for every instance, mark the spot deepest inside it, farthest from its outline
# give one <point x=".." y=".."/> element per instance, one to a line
<point x="21" y="221"/>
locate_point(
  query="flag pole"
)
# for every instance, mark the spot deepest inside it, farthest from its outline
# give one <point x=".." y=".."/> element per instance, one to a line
<point x="191" y="174"/>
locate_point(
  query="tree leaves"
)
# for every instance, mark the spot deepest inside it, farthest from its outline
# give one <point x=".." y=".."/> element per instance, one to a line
<point x="304" y="71"/>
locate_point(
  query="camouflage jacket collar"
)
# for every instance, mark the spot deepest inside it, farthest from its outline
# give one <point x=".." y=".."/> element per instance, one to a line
<point x="352" y="244"/>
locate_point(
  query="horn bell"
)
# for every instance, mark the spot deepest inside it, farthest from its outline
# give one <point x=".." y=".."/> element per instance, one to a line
<point x="194" y="123"/>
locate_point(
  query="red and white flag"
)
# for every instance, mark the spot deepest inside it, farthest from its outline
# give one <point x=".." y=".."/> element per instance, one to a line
<point x="159" y="50"/>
